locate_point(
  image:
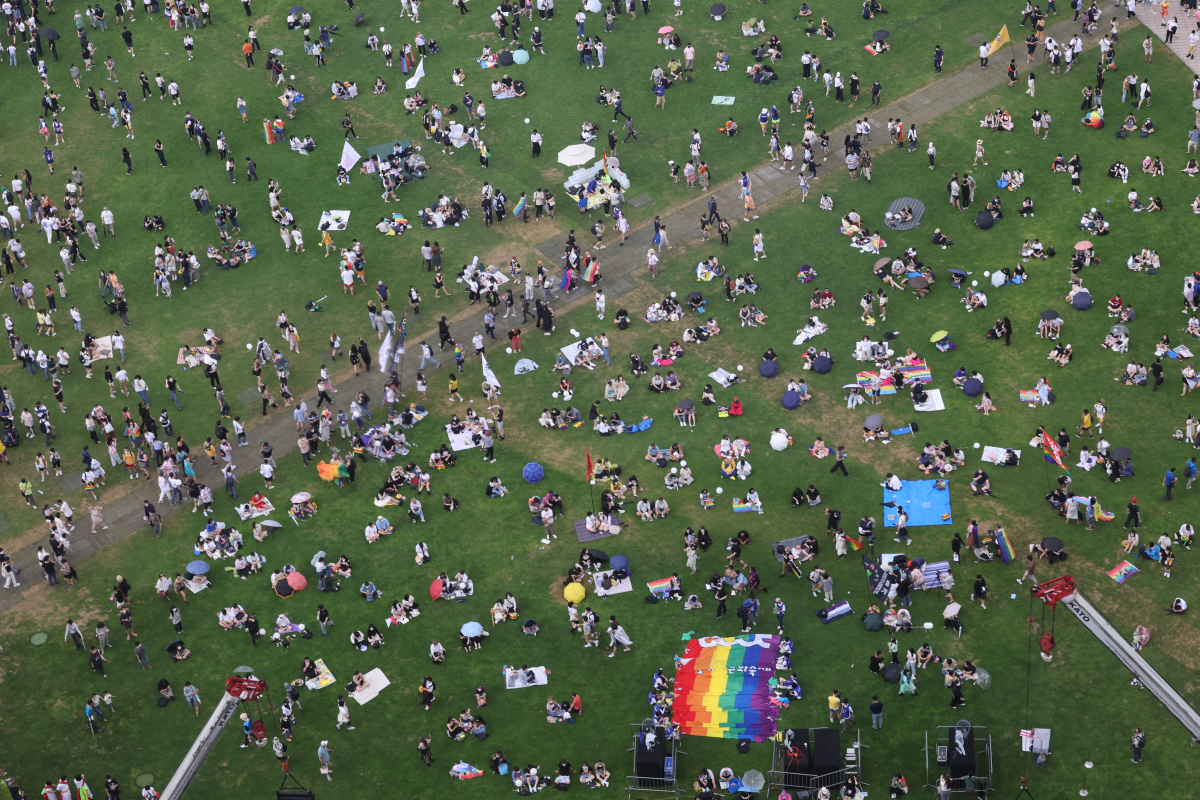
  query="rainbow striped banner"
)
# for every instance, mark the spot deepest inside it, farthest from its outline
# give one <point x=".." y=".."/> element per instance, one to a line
<point x="722" y="689"/>
<point x="1004" y="546"/>
<point x="660" y="585"/>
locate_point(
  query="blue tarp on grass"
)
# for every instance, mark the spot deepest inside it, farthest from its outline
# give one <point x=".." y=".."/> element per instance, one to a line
<point x="925" y="505"/>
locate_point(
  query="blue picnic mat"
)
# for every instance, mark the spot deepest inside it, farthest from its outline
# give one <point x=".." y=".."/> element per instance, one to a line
<point x="925" y="505"/>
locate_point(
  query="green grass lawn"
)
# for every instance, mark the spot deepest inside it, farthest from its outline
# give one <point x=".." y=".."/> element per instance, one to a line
<point x="44" y="688"/>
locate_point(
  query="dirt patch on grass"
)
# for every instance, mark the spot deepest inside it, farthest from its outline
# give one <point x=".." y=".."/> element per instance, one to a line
<point x="556" y="592"/>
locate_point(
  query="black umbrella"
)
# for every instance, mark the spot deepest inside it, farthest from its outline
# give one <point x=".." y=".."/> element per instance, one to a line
<point x="873" y="422"/>
<point x="359" y="18"/>
<point x="1052" y="543"/>
<point x="694" y="296"/>
<point x="984" y="220"/>
<point x="1120" y="453"/>
<point x="49" y="34"/>
<point x="919" y="283"/>
<point x="296" y="10"/>
<point x="1082" y="301"/>
<point x="1049" y="314"/>
<point x="505" y="59"/>
<point x="881" y="35"/>
<point x="718" y="10"/>
<point x="598" y="555"/>
<point x="687" y="404"/>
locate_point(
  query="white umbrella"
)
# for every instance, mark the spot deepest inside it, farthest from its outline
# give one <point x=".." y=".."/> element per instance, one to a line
<point x="952" y="609"/>
<point x="270" y="523"/>
<point x="576" y="154"/>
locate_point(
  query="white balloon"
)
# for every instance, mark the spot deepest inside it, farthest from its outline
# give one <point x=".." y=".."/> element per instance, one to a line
<point x="249" y="346"/>
<point x="527" y="120"/>
<point x="672" y="294"/>
<point x="974" y="283"/>
<point x="739" y="367"/>
<point x="508" y="350"/>
<point x="986" y="274"/>
<point x="674" y="471"/>
<point x="977" y="445"/>
<point x="720" y="490"/>
<point x="683" y="463"/>
<point x="291" y="77"/>
<point x="554" y="395"/>
<point x="381" y="29"/>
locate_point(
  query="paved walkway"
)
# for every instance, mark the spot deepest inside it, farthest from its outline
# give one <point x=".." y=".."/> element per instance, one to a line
<point x="620" y="266"/>
<point x="1151" y="17"/>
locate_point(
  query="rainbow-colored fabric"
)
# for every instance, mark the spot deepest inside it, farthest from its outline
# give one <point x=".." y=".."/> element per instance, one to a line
<point x="722" y="690"/>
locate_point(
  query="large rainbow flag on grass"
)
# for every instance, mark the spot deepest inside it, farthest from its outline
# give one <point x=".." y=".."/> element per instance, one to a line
<point x="722" y="689"/>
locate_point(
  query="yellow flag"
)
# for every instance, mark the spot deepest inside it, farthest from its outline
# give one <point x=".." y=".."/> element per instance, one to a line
<point x="1000" y="40"/>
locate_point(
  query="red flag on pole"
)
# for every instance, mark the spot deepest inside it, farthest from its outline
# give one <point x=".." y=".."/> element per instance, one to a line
<point x="1052" y="449"/>
<point x="590" y="469"/>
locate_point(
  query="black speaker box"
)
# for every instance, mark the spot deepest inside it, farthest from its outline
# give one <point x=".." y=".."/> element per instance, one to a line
<point x="827" y="751"/>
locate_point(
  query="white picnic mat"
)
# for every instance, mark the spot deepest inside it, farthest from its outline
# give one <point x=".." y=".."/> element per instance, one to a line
<point x="462" y="441"/>
<point x="934" y="403"/>
<point x="515" y="679"/>
<point x="334" y="224"/>
<point x="722" y="100"/>
<point x="572" y="350"/>
<point x="995" y="455"/>
<point x="378" y="682"/>
<point x="246" y="511"/>
<point x="724" y="377"/>
<point x="618" y="587"/>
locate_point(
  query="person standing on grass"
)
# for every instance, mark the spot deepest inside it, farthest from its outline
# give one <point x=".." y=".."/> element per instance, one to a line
<point x="758" y="243"/>
<point x="192" y="695"/>
<point x="617" y="635"/>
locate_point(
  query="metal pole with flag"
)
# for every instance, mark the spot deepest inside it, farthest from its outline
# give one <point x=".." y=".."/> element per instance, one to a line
<point x="1000" y="40"/>
<point x="418" y="73"/>
<point x="589" y="476"/>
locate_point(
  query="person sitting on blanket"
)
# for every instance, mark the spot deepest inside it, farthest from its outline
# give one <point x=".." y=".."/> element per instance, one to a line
<point x="879" y="46"/>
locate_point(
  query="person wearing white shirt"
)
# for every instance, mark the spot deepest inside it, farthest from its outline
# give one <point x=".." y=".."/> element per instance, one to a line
<point x="892" y="483"/>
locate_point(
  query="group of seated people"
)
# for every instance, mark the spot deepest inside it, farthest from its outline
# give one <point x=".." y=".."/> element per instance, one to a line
<point x="670" y="383"/>
<point x="998" y="120"/>
<point x="231" y="255"/>
<point x="823" y="28"/>
<point x="1061" y="354"/>
<point x="303" y="146"/>
<point x="153" y="223"/>
<point x="1155" y="203"/>
<point x="414" y="102"/>
<point x="505" y="87"/>
<point x="1145" y="261"/>
<point x="458" y="727"/>
<point x="702" y="333"/>
<point x="940" y="458"/>
<point x="1131" y="124"/>
<point x="667" y="310"/>
<point x="372" y="638"/>
<point x="216" y="543"/>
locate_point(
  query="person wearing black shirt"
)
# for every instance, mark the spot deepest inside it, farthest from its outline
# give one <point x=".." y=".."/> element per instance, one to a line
<point x="721" y="595"/>
<point x="1157" y="370"/>
<point x="1135" y="515"/>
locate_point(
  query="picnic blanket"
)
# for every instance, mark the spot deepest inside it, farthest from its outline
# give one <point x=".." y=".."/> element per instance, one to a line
<point x="618" y="587"/>
<point x="724" y="377"/>
<point x="584" y="535"/>
<point x="934" y="403"/>
<point x="246" y="511"/>
<point x="187" y="356"/>
<point x="504" y="94"/>
<point x="462" y="441"/>
<point x="995" y="455"/>
<point x="740" y="506"/>
<point x="722" y="100"/>
<point x="925" y="504"/>
<point x="917" y="371"/>
<point x="1122" y="571"/>
<point x="324" y="676"/>
<point x="932" y="571"/>
<point x="572" y="350"/>
<point x="515" y="678"/>
<point x="1029" y="396"/>
<point x="833" y="612"/>
<point x="789" y="544"/>
<point x="1178" y="352"/>
<point x="918" y="208"/>
<point x="810" y="331"/>
<point x="378" y="682"/>
<point x="333" y="220"/>
<point x="886" y="386"/>
<point x="744" y="444"/>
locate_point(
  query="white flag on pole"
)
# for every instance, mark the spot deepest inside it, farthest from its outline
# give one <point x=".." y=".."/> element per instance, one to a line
<point x="488" y="375"/>
<point x="418" y="73"/>
<point x="350" y="157"/>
